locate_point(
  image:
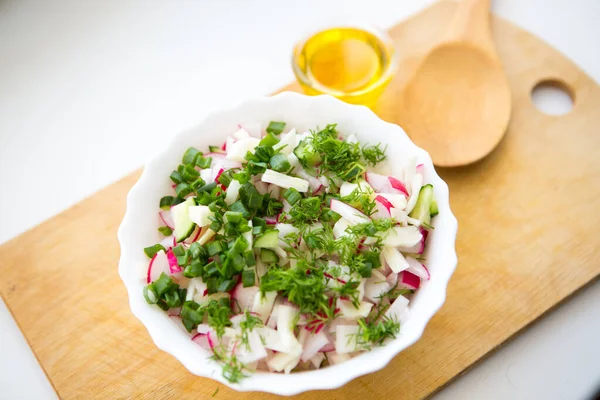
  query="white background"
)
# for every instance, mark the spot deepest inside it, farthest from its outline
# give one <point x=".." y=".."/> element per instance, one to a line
<point x="91" y="89"/>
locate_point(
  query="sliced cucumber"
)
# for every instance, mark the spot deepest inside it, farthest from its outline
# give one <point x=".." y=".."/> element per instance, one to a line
<point x="306" y="154"/>
<point x="422" y="210"/>
<point x="268" y="256"/>
<point x="433" y="210"/>
<point x="267" y="240"/>
<point x="181" y="218"/>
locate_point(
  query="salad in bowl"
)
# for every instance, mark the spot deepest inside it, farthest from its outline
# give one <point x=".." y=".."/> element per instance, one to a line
<point x="290" y="249"/>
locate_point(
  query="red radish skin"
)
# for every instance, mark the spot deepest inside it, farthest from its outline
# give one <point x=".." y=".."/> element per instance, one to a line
<point x="167" y="219"/>
<point x="271" y="220"/>
<point x="173" y="265"/>
<point x="421" y="169"/>
<point x="409" y="280"/>
<point x="379" y="183"/>
<point x="396" y="184"/>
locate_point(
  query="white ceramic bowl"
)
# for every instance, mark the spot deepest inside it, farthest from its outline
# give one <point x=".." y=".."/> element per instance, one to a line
<point x="138" y="230"/>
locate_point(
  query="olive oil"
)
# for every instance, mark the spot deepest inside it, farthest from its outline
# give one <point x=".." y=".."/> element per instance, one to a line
<point x="350" y="63"/>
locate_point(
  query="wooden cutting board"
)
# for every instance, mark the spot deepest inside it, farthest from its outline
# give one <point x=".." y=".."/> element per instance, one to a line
<point x="529" y="236"/>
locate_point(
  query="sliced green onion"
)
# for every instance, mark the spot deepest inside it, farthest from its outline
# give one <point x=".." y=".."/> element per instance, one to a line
<point x="182" y="190"/>
<point x="179" y="250"/>
<point x="239" y="207"/>
<point x="213" y="248"/>
<point x="165" y="231"/>
<point x="203" y="162"/>
<point x="225" y="178"/>
<point x="275" y="127"/>
<point x="248" y="277"/>
<point x="226" y="285"/>
<point x="189" y="157"/>
<point x="193" y="270"/>
<point x="152" y="250"/>
<point x="150" y="294"/>
<point x="172" y="299"/>
<point x="241" y="244"/>
<point x="280" y="163"/>
<point x="163" y="284"/>
<point x="292" y="196"/>
<point x="212" y="285"/>
<point x="189" y="173"/>
<point x="176" y="177"/>
<point x="250" y="259"/>
<point x="215" y="149"/>
<point x="269" y="140"/>
<point x="211" y="269"/>
<point x="166" y="202"/>
<point x="195" y="250"/>
<point x="233" y="216"/>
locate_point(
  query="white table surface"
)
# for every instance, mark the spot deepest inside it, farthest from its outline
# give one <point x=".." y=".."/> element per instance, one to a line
<point x="90" y="89"/>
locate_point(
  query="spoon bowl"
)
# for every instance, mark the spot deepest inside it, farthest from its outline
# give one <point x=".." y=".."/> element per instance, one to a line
<point x="457" y="104"/>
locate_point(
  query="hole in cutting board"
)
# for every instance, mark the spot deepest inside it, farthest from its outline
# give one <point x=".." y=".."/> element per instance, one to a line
<point x="552" y="97"/>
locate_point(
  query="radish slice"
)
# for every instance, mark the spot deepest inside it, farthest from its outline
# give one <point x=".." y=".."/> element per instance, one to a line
<point x="379" y="183"/>
<point x="336" y="358"/>
<point x="285" y="181"/>
<point x="313" y="344"/>
<point x="287" y="144"/>
<point x="173" y="264"/>
<point x="166" y="218"/>
<point x="219" y="161"/>
<point x="251" y="351"/>
<point x="347" y="309"/>
<point x="244" y="297"/>
<point x="261" y="187"/>
<point x="394" y="259"/>
<point x="398" y="185"/>
<point x="232" y="192"/>
<point x="409" y="280"/>
<point x="270" y="220"/>
<point x="274" y="191"/>
<point x="376" y="286"/>
<point x="202" y="340"/>
<point x="207" y="175"/>
<point x="397" y="308"/>
<point x="314" y="183"/>
<point x="392" y="279"/>
<point x="345" y="338"/>
<point x="317" y="360"/>
<point x="241" y="134"/>
<point x="339" y="229"/>
<point x="238" y="150"/>
<point x="415" y="186"/>
<point x="397" y="200"/>
<point x="349" y="213"/>
<point x="263" y="304"/>
<point x="417" y="269"/>
<point x="200" y="215"/>
<point x="158" y="264"/>
<point x="253" y="128"/>
<point x="406" y="236"/>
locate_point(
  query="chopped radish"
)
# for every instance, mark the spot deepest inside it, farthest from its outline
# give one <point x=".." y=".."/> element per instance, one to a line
<point x="232" y="192"/>
<point x="376" y="286"/>
<point x="349" y="213"/>
<point x="285" y="181"/>
<point x="166" y="218"/>
<point x="347" y="309"/>
<point x="398" y="185"/>
<point x="392" y="279"/>
<point x="158" y="264"/>
<point x="251" y="351"/>
<point x="339" y="229"/>
<point x="313" y="344"/>
<point x="219" y="161"/>
<point x="416" y="184"/>
<point x="314" y="183"/>
<point x="285" y="320"/>
<point x="200" y="215"/>
<point x="286" y="229"/>
<point x="409" y="280"/>
<point x="397" y="309"/>
<point x="396" y="200"/>
<point x="394" y="259"/>
<point x="287" y="143"/>
<point x="270" y="220"/>
<point x="244" y="296"/>
<point x="417" y="268"/>
<point x="263" y="304"/>
<point x="241" y="134"/>
<point x="274" y="191"/>
<point x="402" y="236"/>
<point x="379" y="183"/>
<point x="317" y="359"/>
<point x="202" y="340"/>
<point x="336" y="358"/>
<point x="253" y="128"/>
<point x="345" y="338"/>
<point x="174" y="267"/>
<point x="207" y="175"/>
<point x="196" y="287"/>
<point x="261" y="187"/>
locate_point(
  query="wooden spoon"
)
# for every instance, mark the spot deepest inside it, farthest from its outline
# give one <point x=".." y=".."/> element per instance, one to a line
<point x="457" y="104"/>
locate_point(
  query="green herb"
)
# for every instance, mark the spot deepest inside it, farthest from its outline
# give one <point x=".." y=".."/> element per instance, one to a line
<point x="375" y="333"/>
<point x="152" y="250"/>
<point x="215" y="393"/>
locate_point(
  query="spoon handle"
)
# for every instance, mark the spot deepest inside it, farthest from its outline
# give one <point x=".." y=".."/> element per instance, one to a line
<point x="471" y="23"/>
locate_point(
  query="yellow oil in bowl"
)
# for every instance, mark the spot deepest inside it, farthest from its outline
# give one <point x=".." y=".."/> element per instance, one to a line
<point x="353" y="64"/>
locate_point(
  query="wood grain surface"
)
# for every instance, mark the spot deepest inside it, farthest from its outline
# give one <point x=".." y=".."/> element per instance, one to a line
<point x="529" y="236"/>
